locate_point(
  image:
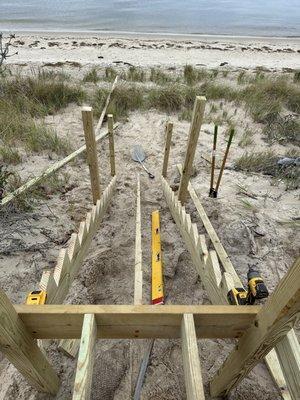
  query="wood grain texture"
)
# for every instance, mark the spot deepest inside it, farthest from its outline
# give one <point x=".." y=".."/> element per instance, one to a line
<point x="169" y="131"/>
<point x="272" y="323"/>
<point x="217" y="284"/>
<point x="91" y="151"/>
<point x="191" y="362"/>
<point x="17" y="344"/>
<point x="86" y="357"/>
<point x="197" y="118"/>
<point x="288" y="352"/>
<point x="140" y="322"/>
<point x="110" y="124"/>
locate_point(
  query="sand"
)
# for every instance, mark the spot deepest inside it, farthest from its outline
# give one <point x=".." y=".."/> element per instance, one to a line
<point x="32" y="240"/>
<point x="149" y="50"/>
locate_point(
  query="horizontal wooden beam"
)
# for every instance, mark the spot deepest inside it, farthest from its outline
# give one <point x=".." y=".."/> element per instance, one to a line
<point x="141" y="322"/>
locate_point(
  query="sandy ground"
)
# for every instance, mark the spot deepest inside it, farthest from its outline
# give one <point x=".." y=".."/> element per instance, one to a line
<point x="107" y="274"/>
<point x="142" y="50"/>
<point x="31" y="241"/>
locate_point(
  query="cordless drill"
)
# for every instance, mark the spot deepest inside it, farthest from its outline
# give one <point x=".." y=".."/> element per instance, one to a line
<point x="256" y="287"/>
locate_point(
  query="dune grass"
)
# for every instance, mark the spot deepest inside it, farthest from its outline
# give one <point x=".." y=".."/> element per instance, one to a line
<point x="91" y="76"/>
<point x="265" y="162"/>
<point x="23" y="101"/>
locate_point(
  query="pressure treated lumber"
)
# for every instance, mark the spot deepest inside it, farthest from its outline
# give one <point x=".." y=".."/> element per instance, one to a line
<point x="195" y="127"/>
<point x="91" y="151"/>
<point x="140" y="322"/>
<point x="17" y="344"/>
<point x="216" y="282"/>
<point x="86" y="357"/>
<point x="169" y="131"/>
<point x="110" y="124"/>
<point x="288" y="352"/>
<point x="191" y="362"/>
<point x="222" y="254"/>
<point x="138" y="271"/>
<point x="57" y="283"/>
<point x="55" y="167"/>
<point x="272" y="323"/>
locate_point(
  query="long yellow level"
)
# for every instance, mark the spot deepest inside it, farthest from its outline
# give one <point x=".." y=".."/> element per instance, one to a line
<point x="157" y="267"/>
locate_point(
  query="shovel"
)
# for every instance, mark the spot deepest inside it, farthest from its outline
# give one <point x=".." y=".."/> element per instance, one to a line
<point x="138" y="155"/>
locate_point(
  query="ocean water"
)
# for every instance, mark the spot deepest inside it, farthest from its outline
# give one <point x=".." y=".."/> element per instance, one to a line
<point x="228" y="17"/>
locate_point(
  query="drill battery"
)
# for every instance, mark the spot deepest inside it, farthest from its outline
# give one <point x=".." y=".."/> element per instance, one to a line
<point x="237" y="296"/>
<point x="257" y="289"/>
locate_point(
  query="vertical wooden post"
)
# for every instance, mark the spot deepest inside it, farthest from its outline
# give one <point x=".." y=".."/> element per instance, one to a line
<point x="86" y="357"/>
<point x="271" y="324"/>
<point x="169" y="130"/>
<point x="191" y="362"/>
<point x="91" y="151"/>
<point x="110" y="122"/>
<point x="17" y="344"/>
<point x="196" y="123"/>
<point x="289" y="357"/>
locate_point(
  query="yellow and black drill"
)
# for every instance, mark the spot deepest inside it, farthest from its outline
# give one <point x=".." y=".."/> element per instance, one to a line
<point x="257" y="289"/>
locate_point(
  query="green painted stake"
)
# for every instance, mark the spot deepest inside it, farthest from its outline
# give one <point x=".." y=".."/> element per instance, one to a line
<point x="224" y="161"/>
<point x="213" y="163"/>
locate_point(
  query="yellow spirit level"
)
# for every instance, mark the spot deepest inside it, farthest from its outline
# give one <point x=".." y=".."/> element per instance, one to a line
<point x="36" y="297"/>
<point x="157" y="267"/>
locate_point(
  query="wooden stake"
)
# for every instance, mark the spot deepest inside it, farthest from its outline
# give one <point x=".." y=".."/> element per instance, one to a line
<point x="86" y="357"/>
<point x="17" y="344"/>
<point x="169" y="130"/>
<point x="191" y="362"/>
<point x="196" y="123"/>
<point x="213" y="161"/>
<point x="91" y="150"/>
<point x="272" y="323"/>
<point x="224" y="161"/>
<point x="110" y="122"/>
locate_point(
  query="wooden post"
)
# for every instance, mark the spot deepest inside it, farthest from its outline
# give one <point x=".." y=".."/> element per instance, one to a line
<point x="86" y="357"/>
<point x="17" y="344"/>
<point x="191" y="362"/>
<point x="289" y="357"/>
<point x="272" y="323"/>
<point x="169" y="130"/>
<point x="91" y="151"/>
<point x="196" y="123"/>
<point x="110" y="122"/>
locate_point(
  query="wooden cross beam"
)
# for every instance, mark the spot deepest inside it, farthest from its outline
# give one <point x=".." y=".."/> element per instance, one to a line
<point x="139" y="322"/>
<point x="272" y="323"/>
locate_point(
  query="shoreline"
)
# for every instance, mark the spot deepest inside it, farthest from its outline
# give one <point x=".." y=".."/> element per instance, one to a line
<point x="156" y="35"/>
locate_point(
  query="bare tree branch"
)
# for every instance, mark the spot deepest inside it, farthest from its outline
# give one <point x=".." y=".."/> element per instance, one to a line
<point x="4" y="47"/>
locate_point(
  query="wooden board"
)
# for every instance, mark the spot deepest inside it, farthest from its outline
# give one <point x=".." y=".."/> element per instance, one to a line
<point x="17" y="344"/>
<point x="272" y="323"/>
<point x="86" y="357"/>
<point x="169" y="130"/>
<point x="157" y="283"/>
<point x="91" y="151"/>
<point x="110" y="124"/>
<point x="140" y="322"/>
<point x="197" y="118"/>
<point x="191" y="362"/>
<point x="216" y="283"/>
